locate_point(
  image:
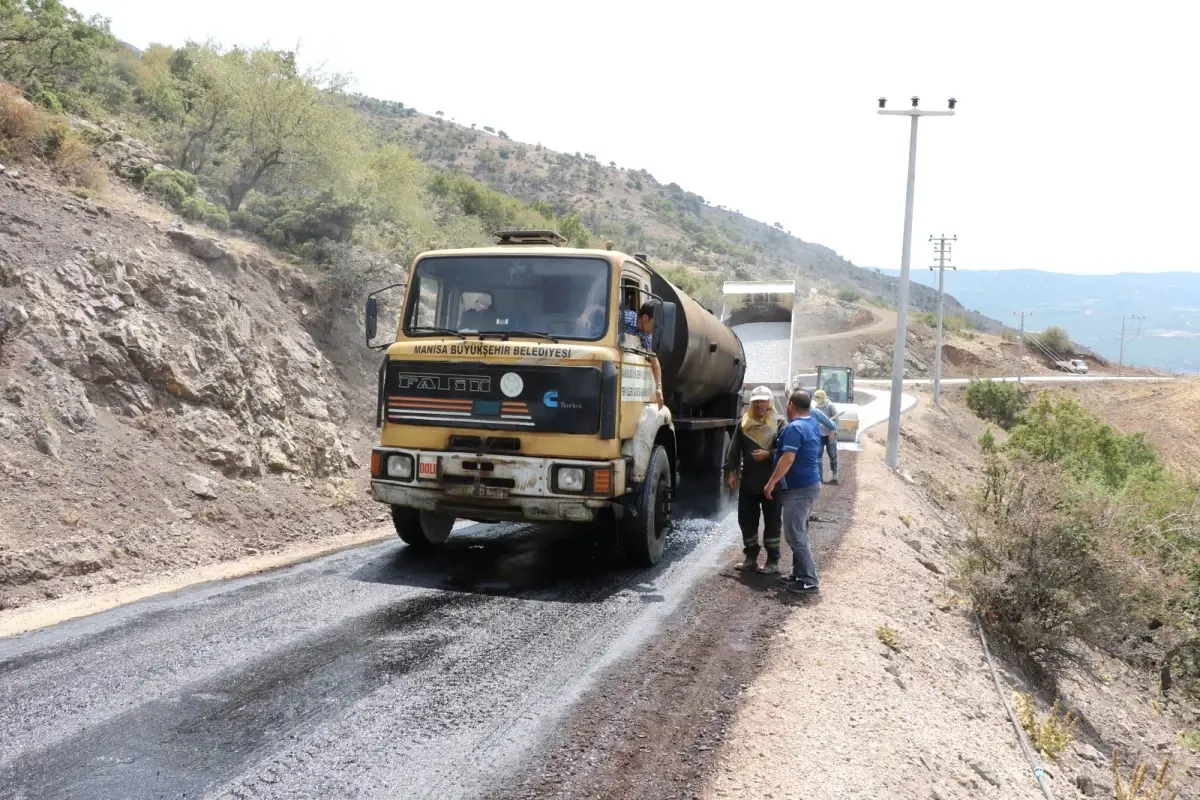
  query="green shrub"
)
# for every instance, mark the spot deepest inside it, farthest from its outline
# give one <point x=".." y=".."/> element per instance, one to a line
<point x="1062" y="432"/>
<point x="172" y="185"/>
<point x="49" y="101"/>
<point x="1084" y="537"/>
<point x="54" y="136"/>
<point x="198" y="209"/>
<point x="1046" y="568"/>
<point x="306" y="226"/>
<point x="848" y="295"/>
<point x="996" y="401"/>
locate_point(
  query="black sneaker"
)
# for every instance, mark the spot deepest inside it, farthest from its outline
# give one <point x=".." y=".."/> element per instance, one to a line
<point x="803" y="587"/>
<point x="790" y="578"/>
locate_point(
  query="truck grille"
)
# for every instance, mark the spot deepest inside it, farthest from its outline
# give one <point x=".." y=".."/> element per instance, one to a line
<point x="479" y="444"/>
<point x="513" y="397"/>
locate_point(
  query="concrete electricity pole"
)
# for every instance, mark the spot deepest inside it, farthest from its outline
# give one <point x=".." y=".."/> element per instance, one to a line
<point x="1021" y="342"/>
<point x="893" y="442"/>
<point x="1121" y="356"/>
<point x="941" y="254"/>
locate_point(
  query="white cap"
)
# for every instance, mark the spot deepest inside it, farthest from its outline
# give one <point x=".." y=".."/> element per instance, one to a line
<point x="761" y="393"/>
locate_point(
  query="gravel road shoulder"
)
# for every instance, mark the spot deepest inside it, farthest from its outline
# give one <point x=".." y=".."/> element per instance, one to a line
<point x="835" y="713"/>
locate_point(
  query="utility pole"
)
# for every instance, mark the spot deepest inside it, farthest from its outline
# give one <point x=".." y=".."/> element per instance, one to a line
<point x="893" y="442"/>
<point x="941" y="254"/>
<point x="1021" y="342"/>
<point x="1121" y="356"/>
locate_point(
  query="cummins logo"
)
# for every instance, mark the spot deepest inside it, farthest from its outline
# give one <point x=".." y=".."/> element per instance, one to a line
<point x="477" y="384"/>
<point x="552" y="400"/>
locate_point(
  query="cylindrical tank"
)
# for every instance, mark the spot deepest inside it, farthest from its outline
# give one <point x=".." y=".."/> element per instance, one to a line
<point x="707" y="360"/>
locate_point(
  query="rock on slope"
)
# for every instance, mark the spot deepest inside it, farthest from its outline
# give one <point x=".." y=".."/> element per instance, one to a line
<point x="161" y="402"/>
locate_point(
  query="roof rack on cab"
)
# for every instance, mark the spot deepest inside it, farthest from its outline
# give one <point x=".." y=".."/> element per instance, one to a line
<point x="530" y="237"/>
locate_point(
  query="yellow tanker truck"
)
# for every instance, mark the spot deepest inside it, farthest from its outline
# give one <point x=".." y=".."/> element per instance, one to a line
<point x="514" y="391"/>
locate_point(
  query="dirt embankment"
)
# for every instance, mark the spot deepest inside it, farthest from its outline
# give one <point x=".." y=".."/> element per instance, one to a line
<point x="163" y="401"/>
<point x="836" y="712"/>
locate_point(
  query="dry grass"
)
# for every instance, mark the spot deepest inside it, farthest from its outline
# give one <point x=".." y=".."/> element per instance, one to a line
<point x="27" y="131"/>
<point x="22" y="124"/>
<point x="75" y="164"/>
<point x="1137" y="788"/>
<point x="888" y="637"/>
<point x="1050" y="735"/>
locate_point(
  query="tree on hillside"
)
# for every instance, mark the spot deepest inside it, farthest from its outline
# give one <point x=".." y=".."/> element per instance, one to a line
<point x="199" y="90"/>
<point x="47" y="48"/>
<point x="156" y="86"/>
<point x="572" y="227"/>
<point x="285" y="121"/>
<point x="1057" y="340"/>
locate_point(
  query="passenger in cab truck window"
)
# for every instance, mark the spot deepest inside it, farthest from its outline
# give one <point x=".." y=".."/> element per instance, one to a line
<point x="638" y="323"/>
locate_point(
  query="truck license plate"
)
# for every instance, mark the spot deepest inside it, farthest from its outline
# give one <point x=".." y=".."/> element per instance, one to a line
<point x="476" y="490"/>
<point x="427" y="468"/>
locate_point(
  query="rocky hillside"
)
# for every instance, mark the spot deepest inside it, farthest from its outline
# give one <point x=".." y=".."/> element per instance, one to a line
<point x="162" y="402"/>
<point x="640" y="213"/>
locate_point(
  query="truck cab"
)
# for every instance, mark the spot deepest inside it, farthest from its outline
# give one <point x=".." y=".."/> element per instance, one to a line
<point x="519" y="388"/>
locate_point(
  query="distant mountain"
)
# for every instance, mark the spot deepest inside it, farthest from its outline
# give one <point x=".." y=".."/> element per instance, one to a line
<point x="1090" y="307"/>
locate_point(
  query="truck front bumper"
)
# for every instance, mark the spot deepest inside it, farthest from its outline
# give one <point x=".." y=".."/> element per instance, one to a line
<point x="494" y="488"/>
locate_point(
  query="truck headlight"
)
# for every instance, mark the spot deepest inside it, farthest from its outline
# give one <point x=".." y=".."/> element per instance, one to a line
<point x="569" y="479"/>
<point x="400" y="467"/>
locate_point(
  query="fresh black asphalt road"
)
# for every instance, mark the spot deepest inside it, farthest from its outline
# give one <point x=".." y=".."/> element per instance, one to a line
<point x="371" y="673"/>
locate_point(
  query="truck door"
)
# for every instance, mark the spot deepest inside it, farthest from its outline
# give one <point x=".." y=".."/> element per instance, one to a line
<point x="635" y="290"/>
<point x="637" y="381"/>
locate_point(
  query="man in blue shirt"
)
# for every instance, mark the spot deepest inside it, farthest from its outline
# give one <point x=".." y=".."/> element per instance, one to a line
<point x="797" y="477"/>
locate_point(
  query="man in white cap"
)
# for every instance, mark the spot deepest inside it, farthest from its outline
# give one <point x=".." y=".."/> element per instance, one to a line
<point x="752" y="452"/>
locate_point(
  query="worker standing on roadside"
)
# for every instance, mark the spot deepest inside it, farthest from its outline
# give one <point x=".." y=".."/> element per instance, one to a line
<point x="797" y="478"/>
<point x="752" y="451"/>
<point x="822" y="403"/>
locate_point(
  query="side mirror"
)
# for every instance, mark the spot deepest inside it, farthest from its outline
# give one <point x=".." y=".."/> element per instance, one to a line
<point x="372" y="321"/>
<point x="664" y="327"/>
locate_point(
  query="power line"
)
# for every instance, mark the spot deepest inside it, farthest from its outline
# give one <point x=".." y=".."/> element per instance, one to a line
<point x="941" y="254"/>
<point x="1021" y="342"/>
<point x="1121" y="355"/>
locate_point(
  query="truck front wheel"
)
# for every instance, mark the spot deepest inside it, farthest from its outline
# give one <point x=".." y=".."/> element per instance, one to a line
<point x="421" y="530"/>
<point x="648" y="514"/>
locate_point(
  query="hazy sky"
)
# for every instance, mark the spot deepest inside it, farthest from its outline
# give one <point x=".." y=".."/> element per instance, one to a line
<point x="1073" y="148"/>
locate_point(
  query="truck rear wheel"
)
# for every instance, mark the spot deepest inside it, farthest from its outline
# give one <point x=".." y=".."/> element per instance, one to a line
<point x="421" y="530"/>
<point x="648" y="515"/>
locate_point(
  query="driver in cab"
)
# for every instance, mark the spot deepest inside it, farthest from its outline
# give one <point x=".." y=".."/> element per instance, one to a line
<point x="638" y="323"/>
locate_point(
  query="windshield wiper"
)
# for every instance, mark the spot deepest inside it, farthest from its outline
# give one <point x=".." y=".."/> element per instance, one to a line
<point x="507" y="334"/>
<point x="435" y="330"/>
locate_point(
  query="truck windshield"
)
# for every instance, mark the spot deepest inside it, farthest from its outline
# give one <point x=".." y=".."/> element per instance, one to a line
<point x="555" y="296"/>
